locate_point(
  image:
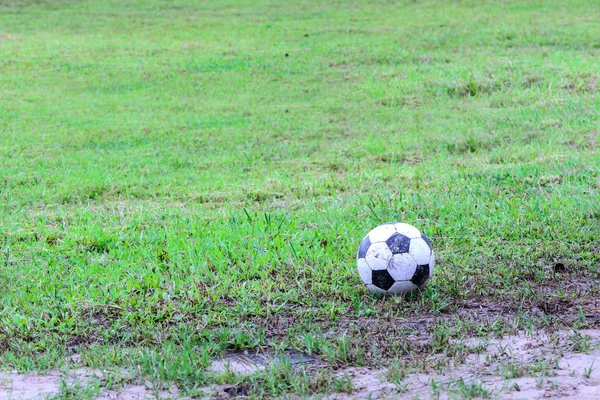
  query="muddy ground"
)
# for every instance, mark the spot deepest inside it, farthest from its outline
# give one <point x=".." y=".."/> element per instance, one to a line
<point x="515" y="367"/>
<point x="562" y="365"/>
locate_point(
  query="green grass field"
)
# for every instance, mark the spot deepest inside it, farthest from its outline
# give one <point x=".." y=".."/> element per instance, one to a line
<point x="184" y="180"/>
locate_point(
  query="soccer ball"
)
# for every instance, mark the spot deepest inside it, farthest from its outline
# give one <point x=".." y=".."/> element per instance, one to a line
<point x="395" y="258"/>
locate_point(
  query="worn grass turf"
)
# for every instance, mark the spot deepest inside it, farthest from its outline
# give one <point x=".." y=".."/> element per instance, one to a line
<point x="181" y="180"/>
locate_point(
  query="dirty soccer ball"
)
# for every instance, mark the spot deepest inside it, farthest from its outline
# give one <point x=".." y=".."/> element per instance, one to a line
<point x="395" y="258"/>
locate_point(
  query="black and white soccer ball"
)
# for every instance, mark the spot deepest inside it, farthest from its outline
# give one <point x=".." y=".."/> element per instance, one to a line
<point x="395" y="258"/>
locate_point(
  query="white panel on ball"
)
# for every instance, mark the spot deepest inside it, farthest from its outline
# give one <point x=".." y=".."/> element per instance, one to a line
<point x="420" y="251"/>
<point x="402" y="287"/>
<point x="407" y="230"/>
<point x="378" y="256"/>
<point x="364" y="271"/>
<point x="431" y="264"/>
<point x="382" y="233"/>
<point x="402" y="267"/>
<point x="375" y="289"/>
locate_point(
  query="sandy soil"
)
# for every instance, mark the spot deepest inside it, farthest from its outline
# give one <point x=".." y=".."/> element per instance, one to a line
<point x="20" y="386"/>
<point x="568" y="374"/>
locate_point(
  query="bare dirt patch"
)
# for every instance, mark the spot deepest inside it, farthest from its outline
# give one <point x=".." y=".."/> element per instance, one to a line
<point x="556" y="366"/>
<point x="559" y="365"/>
<point x="14" y="386"/>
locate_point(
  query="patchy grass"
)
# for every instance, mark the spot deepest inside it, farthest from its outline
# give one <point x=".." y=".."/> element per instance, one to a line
<point x="183" y="180"/>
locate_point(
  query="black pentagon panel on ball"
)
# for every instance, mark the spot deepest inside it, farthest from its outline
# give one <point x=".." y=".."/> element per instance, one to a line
<point x="426" y="239"/>
<point x="364" y="246"/>
<point x="382" y="279"/>
<point x="398" y="243"/>
<point x="421" y="275"/>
